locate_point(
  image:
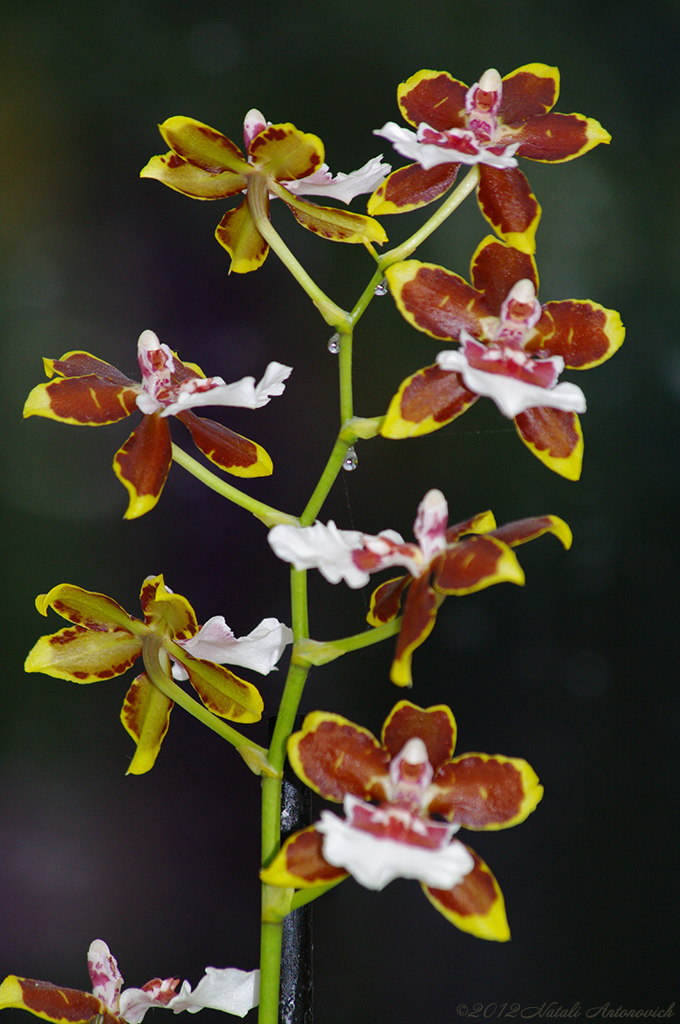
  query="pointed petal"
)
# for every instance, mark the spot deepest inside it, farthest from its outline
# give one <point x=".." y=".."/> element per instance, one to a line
<point x="231" y="452"/>
<point x="51" y="1002"/>
<point x="283" y="153"/>
<point x="237" y="233"/>
<point x="528" y="92"/>
<point x="165" y="612"/>
<point x="335" y="757"/>
<point x="82" y="655"/>
<point x="480" y="791"/>
<point x="420" y="613"/>
<point x="86" y="608"/>
<point x="556" y="138"/>
<point x="583" y="333"/>
<point x="386" y="601"/>
<point x="554" y="437"/>
<point x="434" y="97"/>
<point x="436" y="301"/>
<point x="435" y="726"/>
<point x="495" y="267"/>
<point x="509" y="205"/>
<point x="79" y="364"/>
<point x="336" y="225"/>
<point x="474" y="563"/>
<point x="426" y="401"/>
<point x="146" y="717"/>
<point x="193" y="181"/>
<point x="221" y="691"/>
<point x="142" y="464"/>
<point x="483" y="522"/>
<point x="523" y="530"/>
<point x="475" y="905"/>
<point x="203" y="146"/>
<point x="411" y="187"/>
<point x="85" y="401"/>
<point x="300" y="864"/>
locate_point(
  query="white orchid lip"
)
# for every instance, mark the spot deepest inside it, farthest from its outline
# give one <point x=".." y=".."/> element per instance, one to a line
<point x="455" y="146"/>
<point x="260" y="650"/>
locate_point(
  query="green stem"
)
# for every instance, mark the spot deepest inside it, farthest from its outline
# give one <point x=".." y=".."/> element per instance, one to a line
<point x="316" y="652"/>
<point x="265" y="513"/>
<point x="403" y="251"/>
<point x="257" y="196"/>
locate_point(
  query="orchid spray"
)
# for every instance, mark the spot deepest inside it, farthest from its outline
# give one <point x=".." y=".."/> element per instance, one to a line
<point x="405" y="795"/>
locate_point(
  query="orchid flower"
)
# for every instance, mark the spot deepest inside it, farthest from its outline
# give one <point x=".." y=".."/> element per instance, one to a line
<point x="442" y="562"/>
<point x="512" y="349"/>
<point x="227" y="989"/>
<point x="279" y="161"/>
<point x="390" y="790"/>
<point x="89" y="392"/>
<point x="489" y="124"/>
<point x="104" y="641"/>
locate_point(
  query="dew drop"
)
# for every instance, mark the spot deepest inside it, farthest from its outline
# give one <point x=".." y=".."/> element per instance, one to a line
<point x="381" y="289"/>
<point x="351" y="460"/>
<point x="334" y="344"/>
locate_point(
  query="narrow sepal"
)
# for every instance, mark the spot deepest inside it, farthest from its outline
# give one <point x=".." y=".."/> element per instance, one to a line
<point x="87" y="401"/>
<point x="89" y="609"/>
<point x="146" y="717"/>
<point x="583" y="333"/>
<point x="83" y="655"/>
<point x="166" y="612"/>
<point x="433" y="97"/>
<point x="475" y="905"/>
<point x="221" y="691"/>
<point x="496" y="267"/>
<point x="191" y="180"/>
<point x="555" y="138"/>
<point x="435" y="726"/>
<point x="336" y="225"/>
<point x="226" y="449"/>
<point x="522" y="530"/>
<point x="239" y="235"/>
<point x="412" y="187"/>
<point x="386" y="601"/>
<point x="51" y="1002"/>
<point x="480" y="791"/>
<point x="203" y="146"/>
<point x="333" y="756"/>
<point x="475" y="563"/>
<point x="554" y="437"/>
<point x="509" y="205"/>
<point x="142" y="464"/>
<point x="299" y="864"/>
<point x="435" y="300"/>
<point x="426" y="401"/>
<point x="483" y="522"/>
<point x="420" y="613"/>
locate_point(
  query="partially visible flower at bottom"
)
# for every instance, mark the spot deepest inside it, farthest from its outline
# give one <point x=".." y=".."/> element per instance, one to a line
<point x="227" y="989"/>
<point x="409" y="776"/>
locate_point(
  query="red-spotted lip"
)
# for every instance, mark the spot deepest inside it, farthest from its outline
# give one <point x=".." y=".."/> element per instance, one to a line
<point x="511" y="362"/>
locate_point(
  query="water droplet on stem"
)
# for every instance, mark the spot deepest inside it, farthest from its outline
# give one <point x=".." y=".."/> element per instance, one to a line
<point x="350" y="461"/>
<point x="334" y="344"/>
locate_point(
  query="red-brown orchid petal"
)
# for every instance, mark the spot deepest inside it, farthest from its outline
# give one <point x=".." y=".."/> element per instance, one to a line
<point x="386" y="601"/>
<point x="142" y="464"/>
<point x="203" y="146"/>
<point x="83" y="655"/>
<point x="435" y="726"/>
<point x="299" y="864"/>
<point x="528" y="92"/>
<point x="475" y="905"/>
<point x="231" y="452"/>
<point x="82" y="401"/>
<point x="484" y="522"/>
<point x="584" y="333"/>
<point x="167" y="613"/>
<point x="221" y="691"/>
<point x="509" y="205"/>
<point x="523" y="530"/>
<point x="480" y="791"/>
<point x="496" y="267"/>
<point x="555" y="138"/>
<point x="329" y="222"/>
<point x="238" y="234"/>
<point x="146" y="717"/>
<point x="437" y="301"/>
<point x="435" y="98"/>
<point x="51" y="1002"/>
<point x="411" y="187"/>
<point x="420" y="613"/>
<point x="426" y="401"/>
<point x="475" y="563"/>
<point x="286" y="154"/>
<point x="335" y="757"/>
<point x="79" y="364"/>
<point x="554" y="437"/>
<point x="192" y="180"/>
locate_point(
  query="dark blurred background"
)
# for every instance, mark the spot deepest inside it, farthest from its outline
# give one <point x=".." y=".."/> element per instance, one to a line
<point x="577" y="672"/>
